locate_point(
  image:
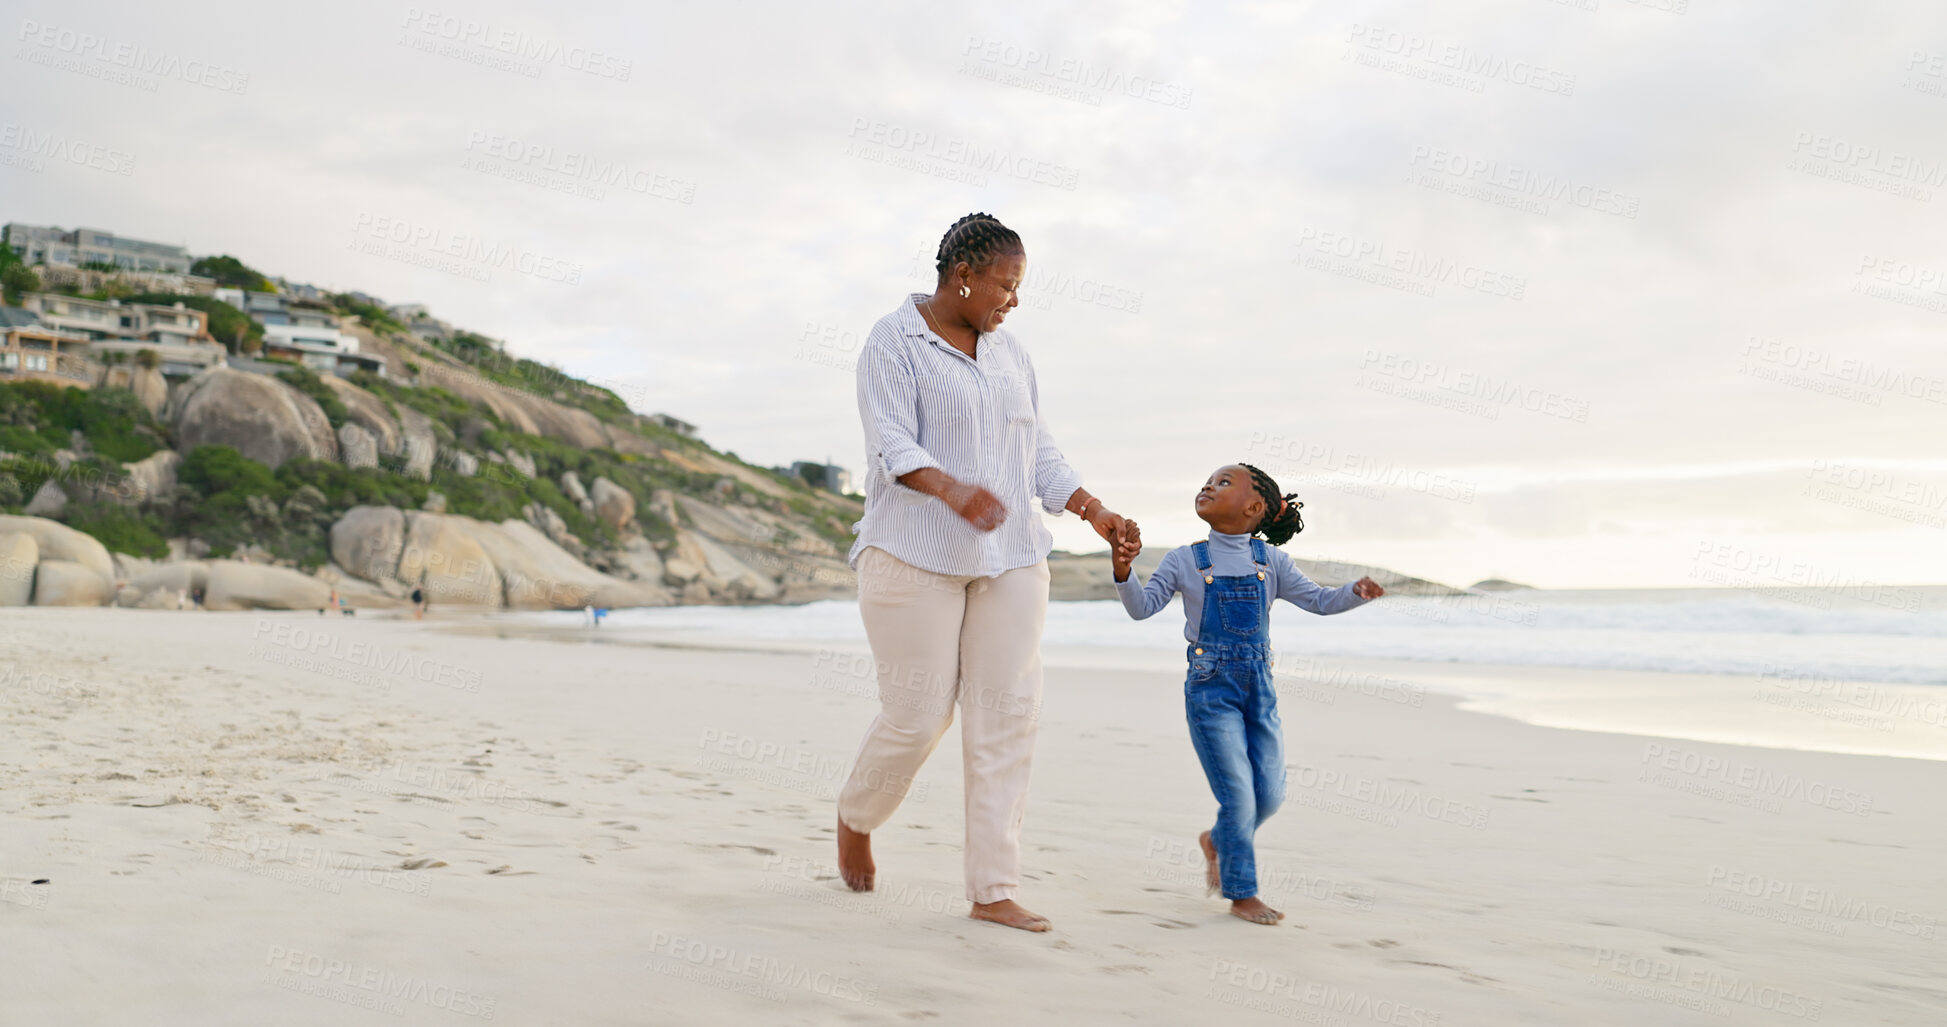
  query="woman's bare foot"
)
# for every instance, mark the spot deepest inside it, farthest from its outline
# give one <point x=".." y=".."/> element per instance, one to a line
<point x="1254" y="910"/>
<point x="855" y="858"/>
<point x="1211" y="878"/>
<point x="1008" y="913"/>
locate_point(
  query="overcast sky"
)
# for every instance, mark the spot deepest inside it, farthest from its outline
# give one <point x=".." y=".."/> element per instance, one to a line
<point x="1641" y="295"/>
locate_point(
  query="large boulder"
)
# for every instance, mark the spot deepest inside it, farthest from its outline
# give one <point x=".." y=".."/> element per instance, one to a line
<point x="564" y="576"/>
<point x="418" y="444"/>
<point x="519" y="410"/>
<point x="532" y="576"/>
<point x="261" y="417"/>
<point x="165" y="586"/>
<point x="543" y="517"/>
<point x="59" y="542"/>
<point x="360" y="594"/>
<point x="463" y="463"/>
<point x="49" y="500"/>
<point x="19" y="553"/>
<point x="572" y="488"/>
<point x="250" y="586"/>
<point x="150" y="387"/>
<point x="368" y="541"/>
<point x="129" y="568"/>
<point x="152" y="477"/>
<point x="357" y="447"/>
<point x="698" y="557"/>
<point x="368" y="412"/>
<point x="521" y="462"/>
<point x="613" y="503"/>
<point x="66" y="583"/>
<point x="447" y="563"/>
<point x="638" y="559"/>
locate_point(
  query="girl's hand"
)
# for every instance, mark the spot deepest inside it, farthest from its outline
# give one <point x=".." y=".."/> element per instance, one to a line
<point x="1123" y="553"/>
<point x="1366" y="588"/>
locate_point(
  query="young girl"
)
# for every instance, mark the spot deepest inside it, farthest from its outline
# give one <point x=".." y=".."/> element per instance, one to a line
<point x="1227" y="583"/>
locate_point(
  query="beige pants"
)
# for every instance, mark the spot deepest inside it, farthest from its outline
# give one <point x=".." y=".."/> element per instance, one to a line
<point x="938" y="640"/>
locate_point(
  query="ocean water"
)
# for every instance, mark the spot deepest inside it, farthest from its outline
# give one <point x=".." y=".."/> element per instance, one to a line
<point x="1892" y="635"/>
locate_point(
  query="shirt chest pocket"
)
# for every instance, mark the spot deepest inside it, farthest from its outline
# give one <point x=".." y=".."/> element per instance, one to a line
<point x="1016" y="406"/>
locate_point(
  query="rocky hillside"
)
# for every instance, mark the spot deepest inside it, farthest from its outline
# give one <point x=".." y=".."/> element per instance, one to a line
<point x="484" y="480"/>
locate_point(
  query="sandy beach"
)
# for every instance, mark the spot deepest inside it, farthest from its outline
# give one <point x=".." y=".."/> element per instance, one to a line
<point x="293" y="819"/>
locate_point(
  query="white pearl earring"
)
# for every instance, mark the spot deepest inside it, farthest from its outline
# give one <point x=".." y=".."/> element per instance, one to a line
<point x="965" y="292"/>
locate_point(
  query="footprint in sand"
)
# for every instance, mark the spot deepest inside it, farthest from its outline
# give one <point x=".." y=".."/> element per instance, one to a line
<point x="1164" y="922"/>
<point x="1467" y="976"/>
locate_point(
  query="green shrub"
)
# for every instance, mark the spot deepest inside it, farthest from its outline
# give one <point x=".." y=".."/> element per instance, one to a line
<point x="233" y="272"/>
<point x="377" y="318"/>
<point x="214" y="470"/>
<point x="304" y="380"/>
<point x="120" y="528"/>
<point x="38" y="417"/>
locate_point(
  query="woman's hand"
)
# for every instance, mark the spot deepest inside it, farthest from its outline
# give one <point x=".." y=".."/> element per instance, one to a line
<point x="1366" y="588"/>
<point x="1107" y="523"/>
<point x="975" y="505"/>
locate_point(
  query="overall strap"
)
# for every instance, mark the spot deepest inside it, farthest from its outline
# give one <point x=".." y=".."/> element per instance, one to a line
<point x="1201" y="550"/>
<point x="1258" y="554"/>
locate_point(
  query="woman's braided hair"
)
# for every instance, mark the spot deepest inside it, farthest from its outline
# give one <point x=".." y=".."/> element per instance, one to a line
<point x="1278" y="525"/>
<point x="978" y="239"/>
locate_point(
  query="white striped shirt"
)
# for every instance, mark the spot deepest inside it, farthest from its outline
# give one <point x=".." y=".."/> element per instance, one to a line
<point x="925" y="404"/>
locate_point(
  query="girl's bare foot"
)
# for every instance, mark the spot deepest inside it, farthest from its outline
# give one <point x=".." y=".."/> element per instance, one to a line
<point x="1009" y="913"/>
<point x="855" y="858"/>
<point x="1211" y="878"/>
<point x="1254" y="910"/>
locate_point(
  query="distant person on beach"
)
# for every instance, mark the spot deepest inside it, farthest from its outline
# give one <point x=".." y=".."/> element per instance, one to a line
<point x="1228" y="582"/>
<point x="952" y="558"/>
<point x="418" y="603"/>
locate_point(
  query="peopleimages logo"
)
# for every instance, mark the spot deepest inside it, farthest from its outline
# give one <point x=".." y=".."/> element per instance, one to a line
<point x="919" y="143"/>
<point x="1462" y="59"/>
<point x="581" y="167"/>
<point x="131" y="60"/>
<point x="429" y="27"/>
<point x="61" y="148"/>
<point x="1523" y="182"/>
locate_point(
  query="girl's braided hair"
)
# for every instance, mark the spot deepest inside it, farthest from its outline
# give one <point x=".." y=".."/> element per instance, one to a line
<point x="978" y="239"/>
<point x="1281" y="520"/>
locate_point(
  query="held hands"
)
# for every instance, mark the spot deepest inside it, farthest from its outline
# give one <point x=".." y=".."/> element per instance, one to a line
<point x="1366" y="588"/>
<point x="1123" y="553"/>
<point x="1108" y="524"/>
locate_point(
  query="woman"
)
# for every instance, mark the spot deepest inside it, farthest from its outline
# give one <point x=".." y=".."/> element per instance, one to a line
<point x="952" y="562"/>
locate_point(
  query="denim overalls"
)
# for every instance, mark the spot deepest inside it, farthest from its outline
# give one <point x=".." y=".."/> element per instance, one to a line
<point x="1233" y="713"/>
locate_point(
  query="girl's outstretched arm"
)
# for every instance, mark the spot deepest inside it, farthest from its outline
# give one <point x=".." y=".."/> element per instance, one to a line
<point x="1145" y="600"/>
<point x="1306" y="594"/>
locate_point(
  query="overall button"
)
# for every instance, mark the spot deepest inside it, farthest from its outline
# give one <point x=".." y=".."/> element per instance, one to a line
<point x="1207" y="579"/>
<point x="1199" y="652"/>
